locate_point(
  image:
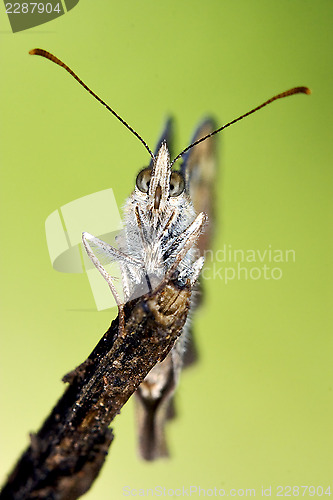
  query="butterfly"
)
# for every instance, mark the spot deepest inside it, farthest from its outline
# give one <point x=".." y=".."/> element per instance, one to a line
<point x="168" y="225"/>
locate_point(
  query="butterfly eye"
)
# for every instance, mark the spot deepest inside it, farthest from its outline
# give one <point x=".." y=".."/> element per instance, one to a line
<point x="143" y="180"/>
<point x="177" y="184"/>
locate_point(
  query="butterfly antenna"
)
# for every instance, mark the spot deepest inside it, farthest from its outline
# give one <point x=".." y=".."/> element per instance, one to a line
<point x="295" y="90"/>
<point x="51" y="57"/>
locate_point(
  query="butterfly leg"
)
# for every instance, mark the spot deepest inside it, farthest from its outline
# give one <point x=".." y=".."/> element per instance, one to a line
<point x="183" y="243"/>
<point x="109" y="279"/>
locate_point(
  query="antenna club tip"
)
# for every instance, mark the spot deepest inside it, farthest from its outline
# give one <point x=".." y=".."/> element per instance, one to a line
<point x="39" y="52"/>
<point x="305" y="90"/>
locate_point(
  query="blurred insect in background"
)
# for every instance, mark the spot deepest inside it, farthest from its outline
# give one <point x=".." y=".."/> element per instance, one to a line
<point x="168" y="225"/>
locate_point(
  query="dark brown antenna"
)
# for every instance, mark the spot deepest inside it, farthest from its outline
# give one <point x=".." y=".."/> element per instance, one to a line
<point x="51" y="57"/>
<point x="295" y="90"/>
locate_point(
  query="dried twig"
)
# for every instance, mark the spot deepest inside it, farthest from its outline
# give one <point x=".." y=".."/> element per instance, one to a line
<point x="66" y="455"/>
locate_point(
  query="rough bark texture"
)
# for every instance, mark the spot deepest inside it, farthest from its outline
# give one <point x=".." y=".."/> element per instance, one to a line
<point x="67" y="453"/>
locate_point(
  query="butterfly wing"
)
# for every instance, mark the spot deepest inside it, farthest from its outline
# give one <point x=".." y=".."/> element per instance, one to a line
<point x="199" y="168"/>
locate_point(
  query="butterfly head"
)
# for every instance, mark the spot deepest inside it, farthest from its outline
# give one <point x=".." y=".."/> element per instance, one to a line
<point x="160" y="186"/>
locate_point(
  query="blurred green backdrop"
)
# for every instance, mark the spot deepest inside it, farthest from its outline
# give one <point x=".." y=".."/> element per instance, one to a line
<point x="257" y="410"/>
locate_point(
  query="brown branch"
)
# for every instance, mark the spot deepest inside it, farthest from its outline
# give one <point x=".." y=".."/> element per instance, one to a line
<point x="67" y="453"/>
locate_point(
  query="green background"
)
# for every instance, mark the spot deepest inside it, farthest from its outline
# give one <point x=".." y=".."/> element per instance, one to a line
<point x="257" y="410"/>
